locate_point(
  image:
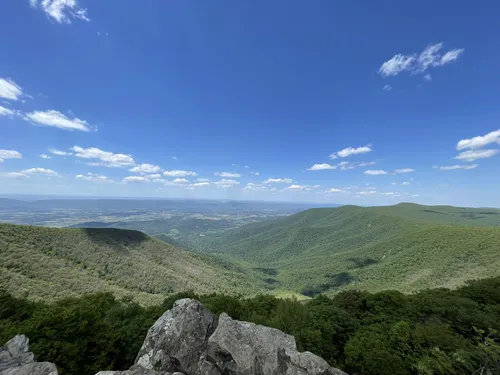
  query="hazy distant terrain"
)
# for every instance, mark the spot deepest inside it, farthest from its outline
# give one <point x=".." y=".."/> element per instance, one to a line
<point x="181" y="220"/>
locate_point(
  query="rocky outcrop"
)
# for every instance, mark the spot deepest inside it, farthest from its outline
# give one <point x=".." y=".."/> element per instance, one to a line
<point x="16" y="359"/>
<point x="191" y="340"/>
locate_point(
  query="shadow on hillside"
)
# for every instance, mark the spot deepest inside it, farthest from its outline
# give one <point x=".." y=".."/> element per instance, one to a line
<point x="335" y="281"/>
<point x="361" y="263"/>
<point x="118" y="239"/>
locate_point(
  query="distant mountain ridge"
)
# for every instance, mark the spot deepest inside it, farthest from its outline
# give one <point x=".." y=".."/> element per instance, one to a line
<point x="406" y="247"/>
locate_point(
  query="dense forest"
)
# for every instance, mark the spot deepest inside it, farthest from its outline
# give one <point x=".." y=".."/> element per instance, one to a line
<point x="436" y="331"/>
<point x="407" y="247"/>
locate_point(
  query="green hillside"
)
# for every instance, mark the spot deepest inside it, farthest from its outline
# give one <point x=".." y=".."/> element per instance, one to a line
<point x="50" y="263"/>
<point x="406" y="247"/>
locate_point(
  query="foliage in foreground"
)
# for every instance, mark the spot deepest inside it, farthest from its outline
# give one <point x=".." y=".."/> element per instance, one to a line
<point x="433" y="332"/>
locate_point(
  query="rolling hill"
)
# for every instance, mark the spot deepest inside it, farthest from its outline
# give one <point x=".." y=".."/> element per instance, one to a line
<point x="405" y="247"/>
<point x="50" y="263"/>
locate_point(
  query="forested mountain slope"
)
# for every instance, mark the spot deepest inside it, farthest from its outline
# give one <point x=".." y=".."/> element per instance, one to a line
<point x="405" y="247"/>
<point x="51" y="263"/>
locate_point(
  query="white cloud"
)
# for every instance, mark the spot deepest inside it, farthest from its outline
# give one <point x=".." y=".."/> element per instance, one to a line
<point x="17" y="175"/>
<point x="225" y="183"/>
<point x="428" y="77"/>
<point x="200" y="184"/>
<point x="367" y="192"/>
<point x="333" y="190"/>
<point x="9" y="89"/>
<point x="472" y="155"/>
<point x="296" y="187"/>
<point x="202" y="179"/>
<point x="479" y="141"/>
<point x="59" y="152"/>
<point x="8" y="112"/>
<point x="399" y="63"/>
<point x="404" y="170"/>
<point x="61" y="10"/>
<point x="387" y="88"/>
<point x="105" y="158"/>
<point x="153" y="176"/>
<point x="346" y="152"/>
<point x="45" y="156"/>
<point x="135" y="179"/>
<point x="255" y="173"/>
<point x="345" y="165"/>
<point x="145" y="168"/>
<point x="174" y="157"/>
<point x="453" y="167"/>
<point x="42" y="171"/>
<point x="57" y="120"/>
<point x="388" y="193"/>
<point x="415" y="64"/>
<point x="375" y="172"/>
<point x="321" y="167"/>
<point x="278" y="181"/>
<point x="406" y="183"/>
<point x="180" y="181"/>
<point x="227" y="174"/>
<point x="93" y="177"/>
<point x="451" y="56"/>
<point x="9" y="154"/>
<point x="247" y="167"/>
<point x="179" y="173"/>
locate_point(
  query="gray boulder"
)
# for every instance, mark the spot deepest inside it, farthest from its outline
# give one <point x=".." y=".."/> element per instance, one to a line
<point x="16" y="359"/>
<point x="291" y="362"/>
<point x="135" y="370"/>
<point x="178" y="339"/>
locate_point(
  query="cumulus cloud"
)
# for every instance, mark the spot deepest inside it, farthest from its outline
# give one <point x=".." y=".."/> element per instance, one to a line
<point x="255" y="173"/>
<point x="153" y="176"/>
<point x="8" y="112"/>
<point x="200" y="184"/>
<point x="346" y="152"/>
<point x="180" y="181"/>
<point x="9" y="154"/>
<point x="145" y="168"/>
<point x="428" y="77"/>
<point x="9" y="89"/>
<point x="103" y="158"/>
<point x="419" y="63"/>
<point x="479" y="141"/>
<point x="375" y="172"/>
<point x="179" y="173"/>
<point x="404" y="170"/>
<point x="472" y="155"/>
<point x="387" y="88"/>
<point x="58" y="120"/>
<point x="321" y="167"/>
<point x="278" y="181"/>
<point x="93" y="177"/>
<point x="45" y="156"/>
<point x="406" y="183"/>
<point x="40" y="171"/>
<point x="454" y="167"/>
<point x="227" y="174"/>
<point x="225" y="183"/>
<point x="388" y="193"/>
<point x="61" y="11"/>
<point x="334" y="190"/>
<point x="132" y="179"/>
<point x="59" y="152"/>
<point x="367" y="192"/>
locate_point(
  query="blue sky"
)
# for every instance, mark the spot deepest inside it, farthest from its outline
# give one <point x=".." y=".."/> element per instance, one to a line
<point x="327" y="101"/>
